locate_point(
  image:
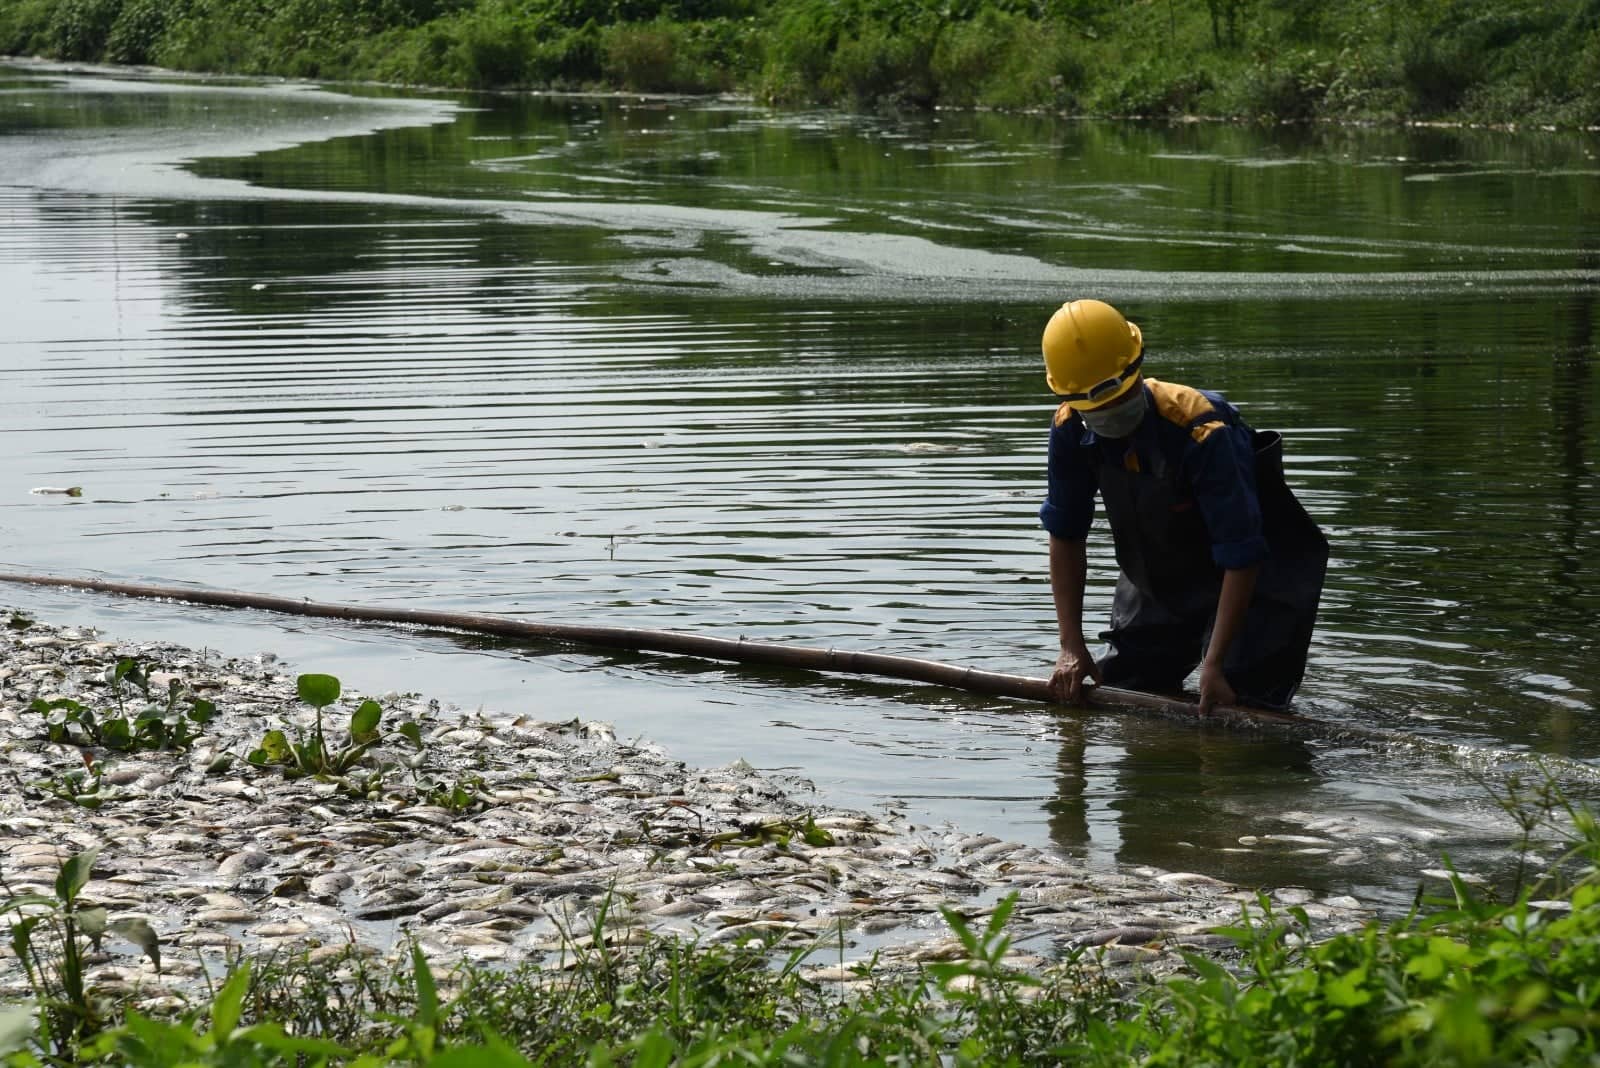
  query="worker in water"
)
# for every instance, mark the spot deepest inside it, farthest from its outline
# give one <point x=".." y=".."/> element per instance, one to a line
<point x="1221" y="567"/>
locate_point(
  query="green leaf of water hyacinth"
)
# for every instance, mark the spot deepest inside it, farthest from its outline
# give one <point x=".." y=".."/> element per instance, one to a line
<point x="319" y="691"/>
<point x="275" y="749"/>
<point x="203" y="711"/>
<point x="128" y="670"/>
<point x="310" y="757"/>
<point x="116" y="734"/>
<point x="411" y="732"/>
<point x="364" y="722"/>
<point x="815" y="836"/>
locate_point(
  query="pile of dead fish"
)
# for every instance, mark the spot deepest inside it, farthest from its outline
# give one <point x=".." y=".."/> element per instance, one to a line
<point x="500" y="837"/>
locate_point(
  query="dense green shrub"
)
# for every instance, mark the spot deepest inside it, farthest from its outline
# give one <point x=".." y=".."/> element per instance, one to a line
<point x="665" y="56"/>
<point x="1437" y="70"/>
<point x="1497" y="60"/>
<point x="879" y="65"/>
<point x="1289" y="86"/>
<point x="23" y="26"/>
<point x="969" y="56"/>
<point x="78" y="28"/>
<point x="644" y="57"/>
<point x="800" y="50"/>
<point x="1153" y="87"/>
<point x="569" y="58"/>
<point x="137" y="30"/>
<point x="495" y="52"/>
<point x="1002" y="59"/>
<point x="727" y="53"/>
<point x="214" y="35"/>
<point x="1585" y="103"/>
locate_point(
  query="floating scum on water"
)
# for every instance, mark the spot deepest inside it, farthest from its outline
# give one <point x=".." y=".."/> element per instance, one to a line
<point x="288" y="816"/>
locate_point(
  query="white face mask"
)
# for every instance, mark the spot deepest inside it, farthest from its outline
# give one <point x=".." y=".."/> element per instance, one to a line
<point x="1121" y="420"/>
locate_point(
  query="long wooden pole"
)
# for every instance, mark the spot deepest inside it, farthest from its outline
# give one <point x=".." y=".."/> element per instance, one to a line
<point x="735" y="649"/>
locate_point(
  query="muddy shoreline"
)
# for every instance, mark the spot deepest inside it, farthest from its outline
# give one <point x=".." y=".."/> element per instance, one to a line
<point x="498" y="838"/>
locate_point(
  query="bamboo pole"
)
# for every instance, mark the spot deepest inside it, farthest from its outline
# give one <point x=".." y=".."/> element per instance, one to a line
<point x="1022" y="687"/>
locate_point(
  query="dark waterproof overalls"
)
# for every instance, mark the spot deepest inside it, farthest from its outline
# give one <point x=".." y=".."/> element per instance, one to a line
<point x="1166" y="598"/>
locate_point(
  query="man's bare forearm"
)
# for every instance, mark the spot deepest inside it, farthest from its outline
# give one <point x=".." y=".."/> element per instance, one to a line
<point x="1069" y="568"/>
<point x="1238" y="585"/>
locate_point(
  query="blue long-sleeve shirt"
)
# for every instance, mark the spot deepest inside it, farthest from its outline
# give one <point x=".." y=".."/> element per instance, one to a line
<point x="1195" y="432"/>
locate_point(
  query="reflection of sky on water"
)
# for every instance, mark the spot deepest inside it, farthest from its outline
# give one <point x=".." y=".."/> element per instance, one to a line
<point x="753" y="395"/>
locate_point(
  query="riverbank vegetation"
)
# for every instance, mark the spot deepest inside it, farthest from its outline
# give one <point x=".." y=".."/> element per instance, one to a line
<point x="1507" y="61"/>
<point x="1463" y="982"/>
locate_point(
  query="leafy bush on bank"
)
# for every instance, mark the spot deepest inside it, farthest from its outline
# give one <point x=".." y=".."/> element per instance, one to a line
<point x="1495" y="60"/>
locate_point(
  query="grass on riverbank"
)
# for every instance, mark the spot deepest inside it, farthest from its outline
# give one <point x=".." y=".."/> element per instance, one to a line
<point x="1462" y="982"/>
<point x="1488" y="60"/>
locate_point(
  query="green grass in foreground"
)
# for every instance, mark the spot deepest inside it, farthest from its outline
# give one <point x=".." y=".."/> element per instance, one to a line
<point x="1490" y="60"/>
<point x="1462" y="981"/>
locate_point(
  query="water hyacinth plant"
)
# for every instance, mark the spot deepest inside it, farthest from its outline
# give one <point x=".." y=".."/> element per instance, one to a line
<point x="172" y="721"/>
<point x="311" y="756"/>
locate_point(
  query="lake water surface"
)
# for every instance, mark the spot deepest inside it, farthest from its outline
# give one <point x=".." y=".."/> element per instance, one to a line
<point x="715" y="367"/>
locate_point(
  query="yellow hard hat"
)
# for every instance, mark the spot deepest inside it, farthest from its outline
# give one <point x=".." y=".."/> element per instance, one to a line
<point x="1091" y="353"/>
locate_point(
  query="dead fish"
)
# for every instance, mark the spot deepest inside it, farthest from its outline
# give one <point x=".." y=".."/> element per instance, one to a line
<point x="681" y="907"/>
<point x="990" y="854"/>
<point x="1058" y="895"/>
<point x="766" y="931"/>
<point x="330" y="885"/>
<point x="1292" y="895"/>
<point x="837" y="973"/>
<point x="1125" y="954"/>
<point x="1122" y="935"/>
<point x="239" y="863"/>
<point x="225" y="915"/>
<point x="1203" y="941"/>
<point x="974" y="842"/>
<point x="287" y="929"/>
<point x="1188" y="878"/>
